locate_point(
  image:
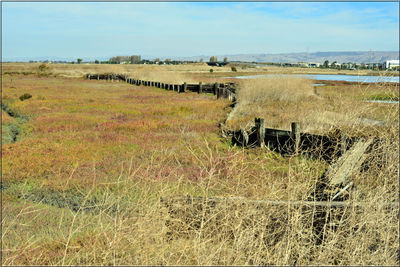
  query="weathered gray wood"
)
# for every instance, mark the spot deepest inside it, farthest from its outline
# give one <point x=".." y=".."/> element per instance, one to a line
<point x="350" y="162"/>
<point x="295" y="135"/>
<point x="200" y="87"/>
<point x="216" y="89"/>
<point x="245" y="137"/>
<point x="343" y="143"/>
<point x="260" y="128"/>
<point x="183" y="88"/>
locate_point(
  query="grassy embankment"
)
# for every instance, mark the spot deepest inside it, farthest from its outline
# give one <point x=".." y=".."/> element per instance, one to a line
<point x="82" y="181"/>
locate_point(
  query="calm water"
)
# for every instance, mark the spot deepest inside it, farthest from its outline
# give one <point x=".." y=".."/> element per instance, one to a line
<point x="328" y="77"/>
<point x="383" y="101"/>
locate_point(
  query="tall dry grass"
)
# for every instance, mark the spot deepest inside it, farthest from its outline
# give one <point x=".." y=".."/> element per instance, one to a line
<point x="127" y="225"/>
<point x="170" y="73"/>
<point x="282" y="100"/>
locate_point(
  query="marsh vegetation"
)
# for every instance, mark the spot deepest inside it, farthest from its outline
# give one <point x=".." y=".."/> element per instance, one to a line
<point x="82" y="182"/>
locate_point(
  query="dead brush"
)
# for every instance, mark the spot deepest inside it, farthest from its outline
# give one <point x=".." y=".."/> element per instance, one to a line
<point x="225" y="221"/>
<point x="267" y="232"/>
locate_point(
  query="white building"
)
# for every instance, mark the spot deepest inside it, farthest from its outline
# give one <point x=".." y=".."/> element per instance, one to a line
<point x="390" y="64"/>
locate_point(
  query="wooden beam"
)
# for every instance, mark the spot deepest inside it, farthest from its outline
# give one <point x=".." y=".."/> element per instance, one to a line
<point x="260" y="128"/>
<point x="295" y="135"/>
<point x="350" y="162"/>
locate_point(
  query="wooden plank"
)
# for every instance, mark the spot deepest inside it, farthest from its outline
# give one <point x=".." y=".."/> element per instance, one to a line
<point x="350" y="162"/>
<point x="276" y="132"/>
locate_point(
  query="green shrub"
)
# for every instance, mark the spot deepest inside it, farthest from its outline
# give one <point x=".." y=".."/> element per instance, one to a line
<point x="233" y="69"/>
<point x="211" y="70"/>
<point x="25" y="96"/>
<point x="43" y="67"/>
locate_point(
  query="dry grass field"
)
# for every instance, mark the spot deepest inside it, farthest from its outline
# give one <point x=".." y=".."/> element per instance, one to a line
<point x="85" y="163"/>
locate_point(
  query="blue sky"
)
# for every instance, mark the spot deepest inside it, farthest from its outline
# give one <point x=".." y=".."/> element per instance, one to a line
<point x="90" y="30"/>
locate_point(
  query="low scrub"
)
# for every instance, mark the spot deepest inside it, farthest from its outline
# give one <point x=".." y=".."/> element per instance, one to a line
<point x="25" y="96"/>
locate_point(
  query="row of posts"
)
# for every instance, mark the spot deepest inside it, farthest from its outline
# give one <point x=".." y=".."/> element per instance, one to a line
<point x="220" y="92"/>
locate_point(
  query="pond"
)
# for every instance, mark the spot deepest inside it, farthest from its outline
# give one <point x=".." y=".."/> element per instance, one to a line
<point x="384" y="101"/>
<point x="331" y="77"/>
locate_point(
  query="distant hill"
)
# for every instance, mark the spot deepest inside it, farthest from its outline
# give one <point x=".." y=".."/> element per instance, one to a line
<point x="340" y="57"/>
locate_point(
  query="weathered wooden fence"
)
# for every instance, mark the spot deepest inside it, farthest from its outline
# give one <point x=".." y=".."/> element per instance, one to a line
<point x="221" y="90"/>
<point x="327" y="147"/>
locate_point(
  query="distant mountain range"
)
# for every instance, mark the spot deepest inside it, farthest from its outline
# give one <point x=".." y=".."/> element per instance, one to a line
<point x="340" y="57"/>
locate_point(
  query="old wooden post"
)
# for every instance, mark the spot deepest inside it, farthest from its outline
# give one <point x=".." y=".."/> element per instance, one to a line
<point x="295" y="135"/>
<point x="98" y="77"/>
<point x="216" y="90"/>
<point x="221" y="92"/>
<point x="260" y="128"/>
<point x="343" y="143"/>
<point x="200" y="87"/>
<point x="184" y="87"/>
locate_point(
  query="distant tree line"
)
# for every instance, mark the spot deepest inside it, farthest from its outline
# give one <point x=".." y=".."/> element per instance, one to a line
<point x="135" y="59"/>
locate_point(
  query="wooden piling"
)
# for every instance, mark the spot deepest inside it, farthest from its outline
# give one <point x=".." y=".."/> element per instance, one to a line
<point x="217" y="90"/>
<point x="200" y="87"/>
<point x="183" y="88"/>
<point x="260" y="128"/>
<point x="343" y="142"/>
<point x="295" y="135"/>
